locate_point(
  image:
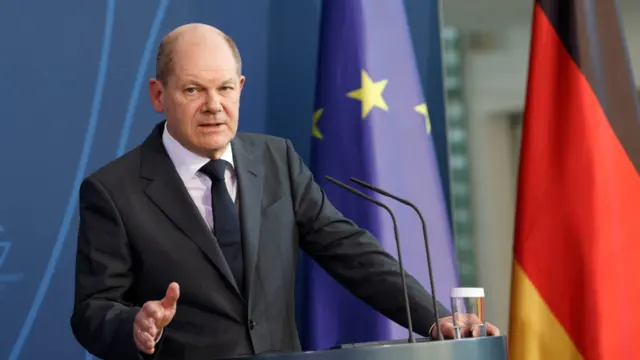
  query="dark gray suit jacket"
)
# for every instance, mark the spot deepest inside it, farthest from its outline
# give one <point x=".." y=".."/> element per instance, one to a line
<point x="139" y="230"/>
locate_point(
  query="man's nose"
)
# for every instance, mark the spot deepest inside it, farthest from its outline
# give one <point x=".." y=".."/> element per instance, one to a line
<point x="213" y="103"/>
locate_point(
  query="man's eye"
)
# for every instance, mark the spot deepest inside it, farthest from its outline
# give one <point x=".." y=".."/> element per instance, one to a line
<point x="227" y="88"/>
<point x="191" y="90"/>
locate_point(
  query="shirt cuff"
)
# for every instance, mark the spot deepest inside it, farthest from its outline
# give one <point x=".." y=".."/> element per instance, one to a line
<point x="431" y="335"/>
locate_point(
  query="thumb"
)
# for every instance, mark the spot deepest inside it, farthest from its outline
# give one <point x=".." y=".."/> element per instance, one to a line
<point x="170" y="299"/>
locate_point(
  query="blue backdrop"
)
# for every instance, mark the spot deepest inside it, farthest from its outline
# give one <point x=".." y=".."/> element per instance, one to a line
<point x="73" y="96"/>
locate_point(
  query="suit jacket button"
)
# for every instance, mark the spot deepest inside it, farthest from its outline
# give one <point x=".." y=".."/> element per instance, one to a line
<point x="252" y="324"/>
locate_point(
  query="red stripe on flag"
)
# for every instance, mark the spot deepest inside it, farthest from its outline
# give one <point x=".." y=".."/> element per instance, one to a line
<point x="578" y="213"/>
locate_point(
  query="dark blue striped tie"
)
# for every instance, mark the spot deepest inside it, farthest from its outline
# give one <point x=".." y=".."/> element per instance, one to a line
<point x="226" y="225"/>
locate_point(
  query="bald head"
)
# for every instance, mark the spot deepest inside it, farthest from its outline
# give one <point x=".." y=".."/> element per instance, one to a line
<point x="192" y="36"/>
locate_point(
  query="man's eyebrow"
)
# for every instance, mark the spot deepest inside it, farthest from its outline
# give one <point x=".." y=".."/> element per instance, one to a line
<point x="195" y="80"/>
<point x="191" y="79"/>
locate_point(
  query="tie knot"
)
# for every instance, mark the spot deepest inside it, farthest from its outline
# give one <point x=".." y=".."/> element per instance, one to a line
<point x="214" y="169"/>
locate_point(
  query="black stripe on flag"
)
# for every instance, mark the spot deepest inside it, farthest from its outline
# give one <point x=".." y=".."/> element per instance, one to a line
<point x="591" y="32"/>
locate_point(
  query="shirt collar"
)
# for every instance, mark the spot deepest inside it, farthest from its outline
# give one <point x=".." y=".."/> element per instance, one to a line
<point x="186" y="162"/>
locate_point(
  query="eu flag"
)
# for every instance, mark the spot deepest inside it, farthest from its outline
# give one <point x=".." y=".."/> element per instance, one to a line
<point x="371" y="121"/>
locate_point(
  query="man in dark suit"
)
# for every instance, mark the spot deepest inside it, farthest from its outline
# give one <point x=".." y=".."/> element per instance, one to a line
<point x="209" y="221"/>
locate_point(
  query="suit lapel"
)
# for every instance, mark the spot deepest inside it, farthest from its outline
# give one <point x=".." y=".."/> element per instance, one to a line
<point x="249" y="174"/>
<point x="168" y="192"/>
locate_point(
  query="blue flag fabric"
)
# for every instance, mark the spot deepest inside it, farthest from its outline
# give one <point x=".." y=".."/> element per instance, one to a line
<point x="371" y="122"/>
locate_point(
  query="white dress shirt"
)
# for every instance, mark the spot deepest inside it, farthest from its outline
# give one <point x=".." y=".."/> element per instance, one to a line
<point x="198" y="184"/>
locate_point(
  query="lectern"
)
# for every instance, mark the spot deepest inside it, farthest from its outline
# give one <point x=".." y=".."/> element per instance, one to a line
<point x="483" y="348"/>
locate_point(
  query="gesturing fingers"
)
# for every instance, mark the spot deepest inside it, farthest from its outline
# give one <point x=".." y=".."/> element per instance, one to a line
<point x="142" y="337"/>
<point x="145" y="326"/>
<point x="170" y="300"/>
<point x="148" y="325"/>
<point x="153" y="317"/>
<point x="154" y="311"/>
<point x="144" y="341"/>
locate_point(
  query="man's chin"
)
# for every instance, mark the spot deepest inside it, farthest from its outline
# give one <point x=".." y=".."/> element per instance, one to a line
<point x="216" y="145"/>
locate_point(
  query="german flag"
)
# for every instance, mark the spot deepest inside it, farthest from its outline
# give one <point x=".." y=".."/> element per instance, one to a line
<point x="575" y="286"/>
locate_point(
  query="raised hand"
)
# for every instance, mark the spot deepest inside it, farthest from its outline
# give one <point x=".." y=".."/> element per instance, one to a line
<point x="153" y="317"/>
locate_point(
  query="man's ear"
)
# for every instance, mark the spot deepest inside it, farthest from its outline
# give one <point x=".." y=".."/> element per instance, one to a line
<point x="241" y="83"/>
<point x="156" y="90"/>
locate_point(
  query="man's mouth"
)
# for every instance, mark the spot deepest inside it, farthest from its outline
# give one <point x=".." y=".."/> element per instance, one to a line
<point x="212" y="126"/>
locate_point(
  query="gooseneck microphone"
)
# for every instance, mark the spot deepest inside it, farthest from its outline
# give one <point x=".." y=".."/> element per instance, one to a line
<point x="426" y="245"/>
<point x="395" y="230"/>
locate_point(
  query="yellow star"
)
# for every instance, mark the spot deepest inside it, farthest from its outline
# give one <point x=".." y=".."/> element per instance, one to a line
<point x="422" y="109"/>
<point x="314" y="128"/>
<point x="370" y="94"/>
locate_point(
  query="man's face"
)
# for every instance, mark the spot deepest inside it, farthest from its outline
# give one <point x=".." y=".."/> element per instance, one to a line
<point x="201" y="98"/>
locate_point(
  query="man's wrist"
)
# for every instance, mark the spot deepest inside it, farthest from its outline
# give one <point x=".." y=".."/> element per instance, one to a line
<point x="431" y="334"/>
